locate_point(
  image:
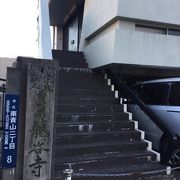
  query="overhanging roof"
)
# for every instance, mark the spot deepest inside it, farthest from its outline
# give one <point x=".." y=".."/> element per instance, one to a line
<point x="59" y="10"/>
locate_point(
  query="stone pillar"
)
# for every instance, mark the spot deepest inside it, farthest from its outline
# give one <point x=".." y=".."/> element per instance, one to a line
<point x="40" y="102"/>
<point x="34" y="80"/>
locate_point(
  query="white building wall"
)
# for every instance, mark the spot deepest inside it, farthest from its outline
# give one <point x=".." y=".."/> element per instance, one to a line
<point x="101" y="51"/>
<point x="166" y="11"/>
<point x="44" y="37"/>
<point x="134" y="47"/>
<point x="96" y="14"/>
<point x="102" y="22"/>
<point x="4" y="63"/>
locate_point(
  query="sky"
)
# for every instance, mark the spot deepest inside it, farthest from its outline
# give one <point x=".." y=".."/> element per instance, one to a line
<point x="18" y="28"/>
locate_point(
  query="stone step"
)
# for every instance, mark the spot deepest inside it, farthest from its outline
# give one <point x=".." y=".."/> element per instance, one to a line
<point x="136" y="170"/>
<point x="98" y="148"/>
<point x="70" y="59"/>
<point x="82" y="77"/>
<point x="104" y="117"/>
<point x="71" y="70"/>
<point x="72" y="63"/>
<point x="79" y="73"/>
<point x="94" y="127"/>
<point x="163" y="176"/>
<point x="76" y="63"/>
<point x="84" y="93"/>
<point x="86" y="100"/>
<point x="92" y="137"/>
<point x="57" y="54"/>
<point x="98" y="160"/>
<point x="89" y="84"/>
<point x="92" y="108"/>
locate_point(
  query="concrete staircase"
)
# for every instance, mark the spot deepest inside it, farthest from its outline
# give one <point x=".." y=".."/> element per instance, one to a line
<point x="93" y="134"/>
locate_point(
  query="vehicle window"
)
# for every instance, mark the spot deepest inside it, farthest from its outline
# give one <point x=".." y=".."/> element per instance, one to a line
<point x="155" y="94"/>
<point x="174" y="98"/>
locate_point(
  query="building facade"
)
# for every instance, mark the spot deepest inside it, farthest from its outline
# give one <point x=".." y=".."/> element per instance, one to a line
<point x="136" y="39"/>
<point x="120" y="31"/>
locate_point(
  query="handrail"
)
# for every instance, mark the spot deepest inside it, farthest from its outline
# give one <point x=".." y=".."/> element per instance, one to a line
<point x="154" y="117"/>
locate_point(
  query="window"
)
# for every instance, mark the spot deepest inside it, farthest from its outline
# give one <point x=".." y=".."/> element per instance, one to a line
<point x="174" y="99"/>
<point x="174" y="32"/>
<point x="157" y="30"/>
<point x="151" y="29"/>
<point x="155" y="94"/>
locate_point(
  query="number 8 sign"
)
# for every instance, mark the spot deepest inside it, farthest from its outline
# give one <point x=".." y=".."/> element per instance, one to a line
<point x="10" y="131"/>
<point x="9" y="159"/>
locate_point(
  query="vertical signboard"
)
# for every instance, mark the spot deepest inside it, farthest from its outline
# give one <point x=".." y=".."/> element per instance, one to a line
<point x="11" y="112"/>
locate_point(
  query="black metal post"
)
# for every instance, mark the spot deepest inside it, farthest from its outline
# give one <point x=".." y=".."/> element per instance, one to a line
<point x="68" y="174"/>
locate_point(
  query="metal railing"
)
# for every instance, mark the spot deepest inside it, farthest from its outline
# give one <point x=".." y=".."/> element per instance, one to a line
<point x="127" y="93"/>
<point x="166" y="172"/>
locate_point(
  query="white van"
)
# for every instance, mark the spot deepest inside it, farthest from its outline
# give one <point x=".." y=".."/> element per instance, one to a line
<point x="163" y="98"/>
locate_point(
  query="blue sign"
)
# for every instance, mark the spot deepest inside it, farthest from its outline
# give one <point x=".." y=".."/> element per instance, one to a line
<point x="10" y="131"/>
